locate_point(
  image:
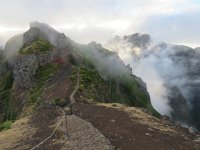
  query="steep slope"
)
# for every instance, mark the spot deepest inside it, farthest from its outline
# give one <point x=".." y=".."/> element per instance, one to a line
<point x="125" y="127"/>
<point x="37" y="52"/>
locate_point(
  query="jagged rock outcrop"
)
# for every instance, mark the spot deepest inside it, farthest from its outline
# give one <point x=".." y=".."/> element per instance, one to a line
<point x="25" y="66"/>
<point x="32" y="35"/>
<point x="139" y="40"/>
<point x="59" y="40"/>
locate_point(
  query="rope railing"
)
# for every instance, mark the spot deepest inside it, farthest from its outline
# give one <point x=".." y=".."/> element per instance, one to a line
<point x="50" y="136"/>
<point x="64" y="117"/>
<point x="72" y="99"/>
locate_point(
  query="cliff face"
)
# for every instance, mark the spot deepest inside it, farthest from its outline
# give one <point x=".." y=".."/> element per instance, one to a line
<point x="25" y="66"/>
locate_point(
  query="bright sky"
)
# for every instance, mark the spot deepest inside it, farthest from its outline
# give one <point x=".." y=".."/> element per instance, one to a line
<point x="175" y="21"/>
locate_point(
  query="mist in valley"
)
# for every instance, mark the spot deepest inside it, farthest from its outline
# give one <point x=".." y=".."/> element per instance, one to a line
<point x="171" y="73"/>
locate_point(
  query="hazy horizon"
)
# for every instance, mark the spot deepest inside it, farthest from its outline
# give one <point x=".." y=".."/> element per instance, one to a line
<point x="175" y="22"/>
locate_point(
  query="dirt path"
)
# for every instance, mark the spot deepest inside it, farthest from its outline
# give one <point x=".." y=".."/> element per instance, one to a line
<point x="98" y="127"/>
<point x="72" y="99"/>
<point x="127" y="133"/>
<point x="74" y="133"/>
<point x="44" y="121"/>
<point x="81" y="134"/>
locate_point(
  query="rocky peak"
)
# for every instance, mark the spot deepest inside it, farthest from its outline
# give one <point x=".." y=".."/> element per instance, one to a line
<point x="59" y="40"/>
<point x="32" y="35"/>
<point x="24" y="65"/>
<point x="94" y="45"/>
<point x="138" y="40"/>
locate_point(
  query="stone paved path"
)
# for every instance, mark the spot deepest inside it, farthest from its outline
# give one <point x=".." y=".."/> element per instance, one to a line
<point x="83" y="136"/>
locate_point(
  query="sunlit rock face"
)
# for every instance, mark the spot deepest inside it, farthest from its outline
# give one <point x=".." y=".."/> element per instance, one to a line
<point x="171" y="72"/>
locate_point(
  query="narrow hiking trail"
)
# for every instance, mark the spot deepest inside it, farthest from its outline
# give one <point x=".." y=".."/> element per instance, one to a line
<point x="72" y="99"/>
<point x="75" y="133"/>
<point x="93" y="126"/>
<point x="81" y="133"/>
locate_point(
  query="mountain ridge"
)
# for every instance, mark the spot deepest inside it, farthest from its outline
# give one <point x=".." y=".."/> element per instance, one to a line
<point x="40" y="80"/>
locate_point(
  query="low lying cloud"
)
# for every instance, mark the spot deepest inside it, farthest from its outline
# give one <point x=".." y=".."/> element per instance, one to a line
<point x="146" y="66"/>
<point x="171" y="72"/>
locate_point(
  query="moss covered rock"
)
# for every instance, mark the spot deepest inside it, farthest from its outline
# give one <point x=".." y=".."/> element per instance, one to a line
<point x="39" y="46"/>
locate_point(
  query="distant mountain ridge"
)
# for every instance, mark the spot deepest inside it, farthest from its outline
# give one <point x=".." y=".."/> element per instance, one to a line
<point x="174" y="69"/>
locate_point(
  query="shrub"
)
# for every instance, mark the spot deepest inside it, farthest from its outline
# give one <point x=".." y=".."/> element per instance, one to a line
<point x="5" y="125"/>
<point x="121" y="90"/>
<point x="6" y="83"/>
<point x="42" y="75"/>
<point x="59" y="102"/>
<point x="38" y="46"/>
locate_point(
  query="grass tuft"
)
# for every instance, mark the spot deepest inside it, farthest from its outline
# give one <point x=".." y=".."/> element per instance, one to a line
<point x="39" y="46"/>
<point x="5" y="125"/>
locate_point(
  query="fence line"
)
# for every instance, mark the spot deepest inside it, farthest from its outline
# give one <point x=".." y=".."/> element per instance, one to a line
<point x="72" y="101"/>
<point x="63" y="117"/>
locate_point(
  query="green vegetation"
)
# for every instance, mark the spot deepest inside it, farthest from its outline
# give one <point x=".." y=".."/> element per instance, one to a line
<point x="105" y="78"/>
<point x="39" y="46"/>
<point x="59" y="101"/>
<point x="137" y="96"/>
<point x="94" y="88"/>
<point x="42" y="75"/>
<point x="6" y="83"/>
<point x="5" y="125"/>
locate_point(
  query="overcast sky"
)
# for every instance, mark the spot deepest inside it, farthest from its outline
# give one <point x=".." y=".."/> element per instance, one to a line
<point x="174" y="21"/>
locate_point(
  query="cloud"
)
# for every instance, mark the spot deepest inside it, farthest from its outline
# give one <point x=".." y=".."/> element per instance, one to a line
<point x="113" y="17"/>
<point x="181" y="28"/>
